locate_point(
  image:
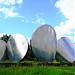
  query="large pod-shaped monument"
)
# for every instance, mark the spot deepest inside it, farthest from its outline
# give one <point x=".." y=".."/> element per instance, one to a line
<point x="44" y="43"/>
<point x="17" y="47"/>
<point x="65" y="50"/>
<point x="74" y="47"/>
<point x="2" y="50"/>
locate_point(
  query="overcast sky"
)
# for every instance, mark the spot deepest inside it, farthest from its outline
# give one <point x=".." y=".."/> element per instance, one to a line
<point x="24" y="16"/>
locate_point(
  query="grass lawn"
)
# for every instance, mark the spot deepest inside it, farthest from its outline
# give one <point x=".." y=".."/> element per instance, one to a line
<point x="37" y="70"/>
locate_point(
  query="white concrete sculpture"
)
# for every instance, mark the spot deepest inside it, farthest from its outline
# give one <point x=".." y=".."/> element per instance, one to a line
<point x="65" y="50"/>
<point x="17" y="47"/>
<point x="44" y="43"/>
<point x="2" y="50"/>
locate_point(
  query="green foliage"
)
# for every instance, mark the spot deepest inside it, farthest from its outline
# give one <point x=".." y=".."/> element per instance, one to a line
<point x="30" y="55"/>
<point x="37" y="70"/>
<point x="5" y="37"/>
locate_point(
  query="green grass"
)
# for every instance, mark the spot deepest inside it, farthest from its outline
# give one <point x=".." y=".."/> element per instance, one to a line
<point x="37" y="70"/>
<point x="27" y="61"/>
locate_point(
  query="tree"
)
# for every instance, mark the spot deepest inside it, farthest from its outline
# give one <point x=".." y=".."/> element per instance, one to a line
<point x="5" y="38"/>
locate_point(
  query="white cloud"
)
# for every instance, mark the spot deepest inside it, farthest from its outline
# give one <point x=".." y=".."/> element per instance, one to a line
<point x="7" y="2"/>
<point x="26" y="21"/>
<point x="66" y="28"/>
<point x="38" y="20"/>
<point x="10" y="12"/>
<point x="19" y="1"/>
<point x="11" y="2"/>
<point x="66" y="7"/>
<point x="41" y="21"/>
<point x="33" y="22"/>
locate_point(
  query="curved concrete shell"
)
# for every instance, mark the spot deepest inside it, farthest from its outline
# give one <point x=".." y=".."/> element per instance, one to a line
<point x="74" y="47"/>
<point x="2" y="50"/>
<point x="44" y="43"/>
<point x="17" y="47"/>
<point x="65" y="50"/>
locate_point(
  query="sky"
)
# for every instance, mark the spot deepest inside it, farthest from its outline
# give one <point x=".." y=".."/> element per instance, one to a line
<point x="25" y="16"/>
